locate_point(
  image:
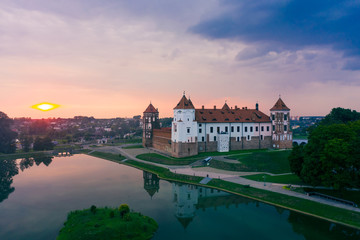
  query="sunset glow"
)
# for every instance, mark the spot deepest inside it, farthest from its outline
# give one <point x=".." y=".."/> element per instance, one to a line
<point x="45" y="106"/>
<point x="128" y="53"/>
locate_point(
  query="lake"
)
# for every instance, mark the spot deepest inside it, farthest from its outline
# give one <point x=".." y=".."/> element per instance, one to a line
<point x="37" y="193"/>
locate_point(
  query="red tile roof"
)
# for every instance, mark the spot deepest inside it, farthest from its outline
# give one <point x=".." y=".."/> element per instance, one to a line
<point x="280" y="105"/>
<point x="151" y="109"/>
<point x="225" y="107"/>
<point x="184" y="103"/>
<point x="231" y="115"/>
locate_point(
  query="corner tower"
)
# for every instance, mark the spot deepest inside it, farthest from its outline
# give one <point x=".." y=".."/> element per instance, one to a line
<point x="280" y="120"/>
<point x="184" y="129"/>
<point x="150" y="122"/>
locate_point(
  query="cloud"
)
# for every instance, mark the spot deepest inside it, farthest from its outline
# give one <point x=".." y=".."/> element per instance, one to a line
<point x="251" y="52"/>
<point x="288" y="25"/>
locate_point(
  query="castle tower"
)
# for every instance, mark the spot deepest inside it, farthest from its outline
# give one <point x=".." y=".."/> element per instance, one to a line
<point x="150" y="122"/>
<point x="280" y="120"/>
<point x="184" y="129"/>
<point x="151" y="183"/>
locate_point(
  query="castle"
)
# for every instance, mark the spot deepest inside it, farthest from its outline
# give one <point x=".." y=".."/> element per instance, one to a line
<point x="208" y="130"/>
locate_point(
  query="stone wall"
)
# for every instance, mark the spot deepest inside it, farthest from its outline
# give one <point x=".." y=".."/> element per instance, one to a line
<point x="147" y="142"/>
<point x="162" y="139"/>
<point x="284" y="144"/>
<point x="254" y="143"/>
<point x="184" y="149"/>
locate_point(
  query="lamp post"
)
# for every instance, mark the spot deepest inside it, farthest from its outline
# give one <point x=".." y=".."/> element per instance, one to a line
<point x="264" y="180"/>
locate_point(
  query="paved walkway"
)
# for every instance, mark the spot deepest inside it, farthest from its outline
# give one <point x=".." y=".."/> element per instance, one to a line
<point x="229" y="176"/>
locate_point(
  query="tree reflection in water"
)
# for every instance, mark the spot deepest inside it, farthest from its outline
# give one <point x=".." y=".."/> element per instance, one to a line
<point x="313" y="229"/>
<point x="9" y="168"/>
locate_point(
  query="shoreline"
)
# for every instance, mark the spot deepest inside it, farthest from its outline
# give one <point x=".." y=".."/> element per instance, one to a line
<point x="252" y="195"/>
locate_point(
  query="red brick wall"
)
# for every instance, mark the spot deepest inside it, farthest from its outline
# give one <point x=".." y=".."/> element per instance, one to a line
<point x="162" y="139"/>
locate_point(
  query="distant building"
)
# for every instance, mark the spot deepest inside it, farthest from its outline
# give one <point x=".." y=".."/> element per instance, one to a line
<point x="207" y="130"/>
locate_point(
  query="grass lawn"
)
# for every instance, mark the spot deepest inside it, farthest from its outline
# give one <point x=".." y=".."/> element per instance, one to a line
<point x="264" y="161"/>
<point x="107" y="223"/>
<point x="108" y="156"/>
<point x="24" y="154"/>
<point x="134" y="146"/>
<point x="353" y="196"/>
<point x="286" y="179"/>
<point x="157" y="158"/>
<point x="230" y="153"/>
<point x="164" y="172"/>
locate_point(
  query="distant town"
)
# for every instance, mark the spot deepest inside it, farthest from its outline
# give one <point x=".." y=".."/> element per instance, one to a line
<point x="89" y="130"/>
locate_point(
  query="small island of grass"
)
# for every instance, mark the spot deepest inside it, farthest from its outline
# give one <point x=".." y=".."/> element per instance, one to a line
<point x="107" y="223"/>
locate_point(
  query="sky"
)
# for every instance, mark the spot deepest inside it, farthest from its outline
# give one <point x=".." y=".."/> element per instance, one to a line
<point x="112" y="58"/>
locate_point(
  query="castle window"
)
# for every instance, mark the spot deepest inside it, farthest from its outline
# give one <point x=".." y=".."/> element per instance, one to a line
<point x="261" y="137"/>
<point x="188" y="130"/>
<point x="285" y="127"/>
<point x="251" y="129"/>
<point x="200" y="125"/>
<point x="273" y="117"/>
<point x="245" y="129"/>
<point x="262" y="128"/>
<point x="256" y="129"/>
<point x="203" y="139"/>
<point x="267" y="128"/>
<point x="200" y="130"/>
<point x="238" y="139"/>
<point x="285" y="117"/>
<point x="273" y="127"/>
<point x="238" y="129"/>
<point x="218" y="129"/>
<point x="188" y="119"/>
<point x="211" y="129"/>
<point x="214" y="138"/>
<point x="226" y="129"/>
<point x="232" y="128"/>
<point x="248" y="137"/>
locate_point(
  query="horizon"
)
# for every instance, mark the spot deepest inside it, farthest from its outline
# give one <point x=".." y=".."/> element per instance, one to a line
<point x="110" y="59"/>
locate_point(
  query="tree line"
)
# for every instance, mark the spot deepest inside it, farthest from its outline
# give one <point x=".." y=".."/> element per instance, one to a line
<point x="332" y="155"/>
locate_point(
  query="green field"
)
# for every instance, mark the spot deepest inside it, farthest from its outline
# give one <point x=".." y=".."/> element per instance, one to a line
<point x="133" y="146"/>
<point x="108" y="156"/>
<point x="157" y="158"/>
<point x="107" y="223"/>
<point x="285" y="179"/>
<point x="264" y="161"/>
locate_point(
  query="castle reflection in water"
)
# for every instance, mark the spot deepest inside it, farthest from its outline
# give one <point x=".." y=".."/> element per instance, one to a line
<point x="190" y="198"/>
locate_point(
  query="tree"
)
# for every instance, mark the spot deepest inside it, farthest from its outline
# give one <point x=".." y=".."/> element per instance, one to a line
<point x="41" y="144"/>
<point x="296" y="159"/>
<point x="124" y="209"/>
<point x="340" y="115"/>
<point x="7" y="136"/>
<point x="26" y="142"/>
<point x="332" y="155"/>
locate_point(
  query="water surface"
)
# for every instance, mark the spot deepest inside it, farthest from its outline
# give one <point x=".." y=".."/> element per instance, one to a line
<point x="36" y="195"/>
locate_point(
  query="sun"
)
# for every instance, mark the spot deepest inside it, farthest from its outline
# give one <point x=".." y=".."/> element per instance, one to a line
<point x="45" y="106"/>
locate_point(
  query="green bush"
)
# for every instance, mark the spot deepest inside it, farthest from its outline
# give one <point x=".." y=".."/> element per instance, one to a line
<point x="124" y="209"/>
<point x="112" y="214"/>
<point x="93" y="209"/>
